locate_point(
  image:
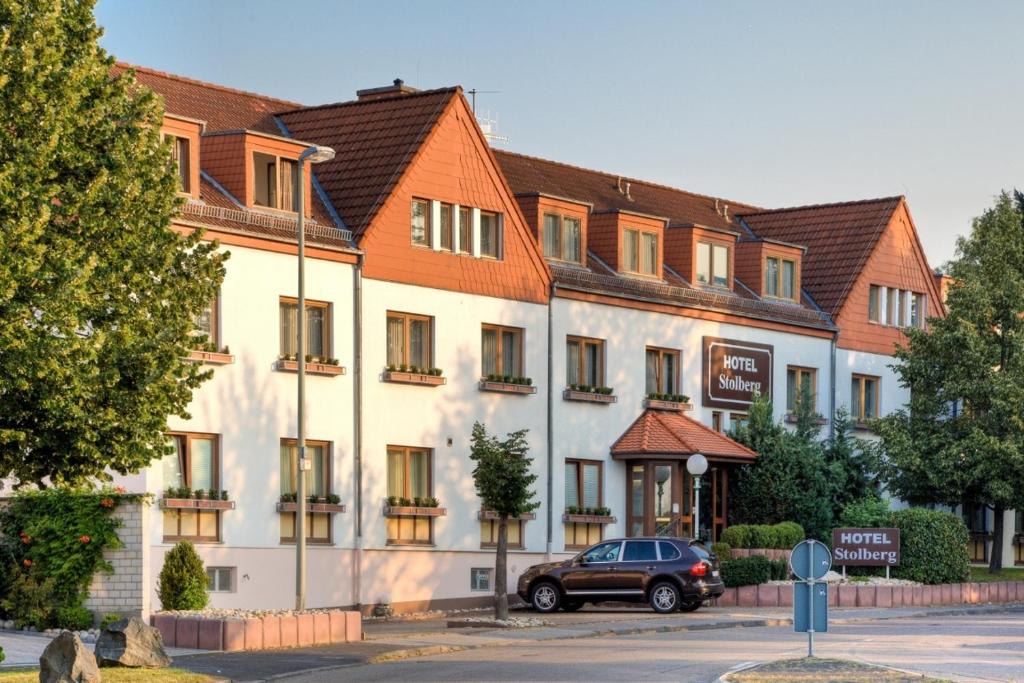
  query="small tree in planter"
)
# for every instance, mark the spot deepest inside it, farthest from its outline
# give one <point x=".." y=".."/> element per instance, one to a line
<point x="182" y="582"/>
<point x="503" y="480"/>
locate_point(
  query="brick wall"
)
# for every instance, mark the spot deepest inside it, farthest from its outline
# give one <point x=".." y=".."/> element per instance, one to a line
<point x="126" y="591"/>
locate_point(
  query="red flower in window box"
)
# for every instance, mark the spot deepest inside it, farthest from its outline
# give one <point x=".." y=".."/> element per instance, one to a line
<point x="120" y="489"/>
<point x="84" y="538"/>
<point x="27" y="562"/>
<point x="25" y="538"/>
<point x="107" y="502"/>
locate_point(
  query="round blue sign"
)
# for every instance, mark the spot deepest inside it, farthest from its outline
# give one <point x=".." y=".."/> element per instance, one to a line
<point x="810" y="560"/>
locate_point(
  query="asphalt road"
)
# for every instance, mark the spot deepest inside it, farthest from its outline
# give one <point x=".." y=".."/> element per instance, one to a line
<point x="964" y="647"/>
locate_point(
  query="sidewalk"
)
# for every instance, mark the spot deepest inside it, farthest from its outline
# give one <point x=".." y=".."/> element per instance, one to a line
<point x="402" y="639"/>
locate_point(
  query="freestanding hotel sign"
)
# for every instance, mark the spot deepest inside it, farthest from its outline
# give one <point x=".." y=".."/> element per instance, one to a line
<point x="855" y="547"/>
<point x="734" y="371"/>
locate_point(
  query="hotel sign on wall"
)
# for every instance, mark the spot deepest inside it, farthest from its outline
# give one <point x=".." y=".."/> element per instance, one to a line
<point x="734" y="371"/>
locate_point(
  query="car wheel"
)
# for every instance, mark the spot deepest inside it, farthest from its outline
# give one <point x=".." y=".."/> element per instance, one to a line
<point x="572" y="606"/>
<point x="545" y="597"/>
<point x="664" y="598"/>
<point x="691" y="606"/>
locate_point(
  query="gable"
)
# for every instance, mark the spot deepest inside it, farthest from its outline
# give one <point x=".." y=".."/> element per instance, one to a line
<point x="454" y="165"/>
<point x="897" y="261"/>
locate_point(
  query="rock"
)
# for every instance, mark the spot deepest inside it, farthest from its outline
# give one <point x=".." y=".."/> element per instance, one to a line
<point x="130" y="642"/>
<point x="9" y="624"/>
<point x="66" y="660"/>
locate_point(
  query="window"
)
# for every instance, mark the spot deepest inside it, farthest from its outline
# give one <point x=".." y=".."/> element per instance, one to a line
<point x="662" y="371"/>
<point x="771" y="276"/>
<point x="318" y="328"/>
<point x="465" y="230"/>
<point x="640" y="551"/>
<point x="490" y="236"/>
<point x="737" y="420"/>
<point x="712" y="264"/>
<point x="502" y="351"/>
<point x="893" y="305"/>
<point x="446" y="227"/>
<point x="489" y="533"/>
<point x="606" y="552"/>
<point x="801" y="384"/>
<point x="421" y="222"/>
<point x="318" y="483"/>
<point x="207" y="323"/>
<point x="716" y="420"/>
<point x="789" y="280"/>
<point x="552" y="236"/>
<point x="195" y="464"/>
<point x="917" y="311"/>
<point x="668" y="550"/>
<point x="563" y="237"/>
<point x="874" y="303"/>
<point x="275" y="182"/>
<point x="480" y="578"/>
<point x="639" y="252"/>
<point x="779" y="278"/>
<point x="220" y="579"/>
<point x="583" y="489"/>
<point x="409" y="340"/>
<point x="181" y="159"/>
<point x="409" y="476"/>
<point x="584" y="361"/>
<point x="863" y="398"/>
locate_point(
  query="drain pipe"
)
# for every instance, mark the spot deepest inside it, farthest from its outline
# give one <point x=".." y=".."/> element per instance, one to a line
<point x="832" y="387"/>
<point x="550" y="425"/>
<point x="357" y="426"/>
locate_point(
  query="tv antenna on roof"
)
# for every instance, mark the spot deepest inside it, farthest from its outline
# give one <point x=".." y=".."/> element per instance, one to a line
<point x="473" y="93"/>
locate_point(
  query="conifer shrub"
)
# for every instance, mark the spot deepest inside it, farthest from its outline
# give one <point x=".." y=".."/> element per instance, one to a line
<point x="182" y="582"/>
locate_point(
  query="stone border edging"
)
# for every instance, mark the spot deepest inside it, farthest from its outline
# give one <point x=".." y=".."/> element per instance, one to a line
<point x="870" y="595"/>
<point x="259" y="633"/>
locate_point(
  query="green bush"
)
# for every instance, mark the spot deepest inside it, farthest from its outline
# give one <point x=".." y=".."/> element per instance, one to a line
<point x="867" y="512"/>
<point x="788" y="535"/>
<point x="182" y="582"/>
<point x="722" y="550"/>
<point x="933" y="546"/>
<point x="2" y="657"/>
<point x="30" y="602"/>
<point x="780" y="569"/>
<point x="763" y="536"/>
<point x="746" y="571"/>
<point x="73" y="618"/>
<point x="109" y="619"/>
<point x="736" y="536"/>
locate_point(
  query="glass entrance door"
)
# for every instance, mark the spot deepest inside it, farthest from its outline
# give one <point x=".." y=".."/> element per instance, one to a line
<point x="663" y="488"/>
<point x="656" y="503"/>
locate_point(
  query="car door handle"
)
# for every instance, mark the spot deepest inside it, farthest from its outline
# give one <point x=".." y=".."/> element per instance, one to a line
<point x="651" y="567"/>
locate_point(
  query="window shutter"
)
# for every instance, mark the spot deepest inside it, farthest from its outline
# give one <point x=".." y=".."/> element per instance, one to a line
<point x="202" y="464"/>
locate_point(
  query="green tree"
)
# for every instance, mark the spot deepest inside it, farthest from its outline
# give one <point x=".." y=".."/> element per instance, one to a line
<point x="963" y="436"/>
<point x="182" y="581"/>
<point x="853" y="465"/>
<point x="97" y="293"/>
<point x="503" y="482"/>
<point x="789" y="481"/>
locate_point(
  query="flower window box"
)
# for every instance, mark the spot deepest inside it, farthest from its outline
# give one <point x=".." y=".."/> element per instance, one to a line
<point x="573" y="518"/>
<point x="414" y="511"/>
<point x="507" y="387"/>
<point x="604" y="395"/>
<point x="221" y="357"/>
<point x="326" y="508"/>
<point x="421" y="378"/>
<point x="674" y="406"/>
<point x="195" y="504"/>
<point x="491" y="515"/>
<point x="318" y="368"/>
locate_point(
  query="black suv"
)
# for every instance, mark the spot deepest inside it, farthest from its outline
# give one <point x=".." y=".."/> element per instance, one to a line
<point x="669" y="573"/>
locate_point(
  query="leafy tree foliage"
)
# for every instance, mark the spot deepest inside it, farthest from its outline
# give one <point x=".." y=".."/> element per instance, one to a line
<point x="182" y="581"/>
<point x="503" y="482"/>
<point x="963" y="437"/>
<point x="97" y="293"/>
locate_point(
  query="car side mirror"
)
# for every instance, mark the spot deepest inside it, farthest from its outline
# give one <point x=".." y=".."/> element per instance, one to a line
<point x="581" y="561"/>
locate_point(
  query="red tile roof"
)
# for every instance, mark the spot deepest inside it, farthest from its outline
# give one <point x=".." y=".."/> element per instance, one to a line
<point x="222" y="108"/>
<point x="374" y="141"/>
<point x="839" y="239"/>
<point x="661" y="433"/>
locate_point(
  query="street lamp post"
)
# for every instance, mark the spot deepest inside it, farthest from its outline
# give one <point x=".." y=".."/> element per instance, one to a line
<point x="696" y="465"/>
<point x="314" y="155"/>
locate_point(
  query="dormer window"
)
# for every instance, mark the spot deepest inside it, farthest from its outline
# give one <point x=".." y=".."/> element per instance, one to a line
<point x="180" y="159"/>
<point x="563" y="237"/>
<point x="447" y="234"/>
<point x="712" y="264"/>
<point x="639" y="252"/>
<point x="779" y="277"/>
<point x="275" y="182"/>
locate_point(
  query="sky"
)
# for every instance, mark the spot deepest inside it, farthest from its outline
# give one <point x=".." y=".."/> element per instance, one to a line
<point x="769" y="103"/>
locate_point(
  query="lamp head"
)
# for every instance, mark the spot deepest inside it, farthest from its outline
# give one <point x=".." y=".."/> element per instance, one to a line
<point x="317" y="154"/>
<point x="697" y="464"/>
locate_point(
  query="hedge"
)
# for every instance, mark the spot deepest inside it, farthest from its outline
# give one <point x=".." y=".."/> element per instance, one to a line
<point x="783" y="535"/>
<point x="723" y="551"/>
<point x="746" y="571"/>
<point x="933" y="546"/>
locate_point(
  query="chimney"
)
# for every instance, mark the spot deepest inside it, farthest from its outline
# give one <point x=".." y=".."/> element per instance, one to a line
<point x="398" y="87"/>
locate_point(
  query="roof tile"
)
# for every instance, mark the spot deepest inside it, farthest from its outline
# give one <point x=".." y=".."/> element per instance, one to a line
<point x="663" y="433"/>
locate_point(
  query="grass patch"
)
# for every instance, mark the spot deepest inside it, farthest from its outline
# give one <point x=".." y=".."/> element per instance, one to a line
<point x="117" y="675"/>
<point x="981" y="575"/>
<point x="815" y="669"/>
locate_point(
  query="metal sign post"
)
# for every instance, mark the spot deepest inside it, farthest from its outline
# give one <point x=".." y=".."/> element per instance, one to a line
<point x="810" y="561"/>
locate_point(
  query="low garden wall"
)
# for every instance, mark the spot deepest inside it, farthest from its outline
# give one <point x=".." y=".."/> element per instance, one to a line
<point x="125" y="591"/>
<point x="867" y="595"/>
<point x="266" y="632"/>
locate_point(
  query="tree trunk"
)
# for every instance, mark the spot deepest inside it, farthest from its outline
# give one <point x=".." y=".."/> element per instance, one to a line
<point x="995" y="562"/>
<point x="500" y="571"/>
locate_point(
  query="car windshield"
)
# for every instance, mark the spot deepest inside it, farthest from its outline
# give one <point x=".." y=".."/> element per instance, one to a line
<point x="605" y="552"/>
<point x="700" y="551"/>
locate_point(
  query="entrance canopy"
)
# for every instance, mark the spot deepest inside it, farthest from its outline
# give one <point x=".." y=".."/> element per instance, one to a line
<point x="674" y="436"/>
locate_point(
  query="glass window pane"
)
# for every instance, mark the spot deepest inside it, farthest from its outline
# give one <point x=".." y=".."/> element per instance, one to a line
<point x="207" y="521"/>
<point x="551" y="236"/>
<point x="465" y="231"/>
<point x="420" y="231"/>
<point x="788" y="279"/>
<point x="649" y="254"/>
<point x="662" y="490"/>
<point x="703" y="263"/>
<point x="489" y="351"/>
<point x="668" y="373"/>
<point x="668" y="550"/>
<point x="509" y="353"/>
<point x="629" y="251"/>
<point x="720" y="264"/>
<point x="419" y="475"/>
<point x="572" y="497"/>
<point x="172" y="463"/>
<point x="572" y="362"/>
<point x="316" y="328"/>
<point x="591" y="485"/>
<point x="289" y="327"/>
<point x="489" y="234"/>
<point x="873" y="296"/>
<point x="396" y="341"/>
<point x="771" y="277"/>
<point x="571" y="240"/>
<point x="869" y="398"/>
<point x="289" y="186"/>
<point x="419" y="350"/>
<point x="446" y="226"/>
<point x="855" y="408"/>
<point x="204" y="321"/>
<point x="289" y="465"/>
<point x="652" y="371"/>
<point x="202" y="464"/>
<point x="640" y="551"/>
<point x="637" y="491"/>
<point x="515" y="534"/>
<point x="591" y="361"/>
<point x="790" y="389"/>
<point x="396" y="473"/>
